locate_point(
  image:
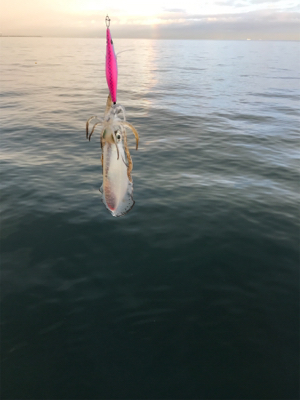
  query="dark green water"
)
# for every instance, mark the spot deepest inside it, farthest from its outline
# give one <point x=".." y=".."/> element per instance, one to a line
<point x="195" y="293"/>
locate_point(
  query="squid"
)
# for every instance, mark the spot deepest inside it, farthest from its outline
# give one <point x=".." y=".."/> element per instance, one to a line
<point x="117" y="187"/>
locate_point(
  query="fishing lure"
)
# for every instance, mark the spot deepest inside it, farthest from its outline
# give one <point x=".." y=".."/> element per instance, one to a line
<point x="111" y="66"/>
<point x="117" y="187"/>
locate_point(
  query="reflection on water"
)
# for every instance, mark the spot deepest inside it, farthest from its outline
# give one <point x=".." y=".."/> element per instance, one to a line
<point x="193" y="294"/>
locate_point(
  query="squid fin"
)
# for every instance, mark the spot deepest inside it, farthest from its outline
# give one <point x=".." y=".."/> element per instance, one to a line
<point x="126" y="204"/>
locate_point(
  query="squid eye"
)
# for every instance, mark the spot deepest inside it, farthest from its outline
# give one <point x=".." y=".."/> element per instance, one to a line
<point x="118" y="136"/>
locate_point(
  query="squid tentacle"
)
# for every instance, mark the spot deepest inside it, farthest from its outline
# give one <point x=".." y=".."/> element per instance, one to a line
<point x="125" y="123"/>
<point x="102" y="143"/>
<point x="87" y="124"/>
<point x="108" y="105"/>
<point x="120" y="109"/>
<point x="129" y="160"/>
<point x="97" y="123"/>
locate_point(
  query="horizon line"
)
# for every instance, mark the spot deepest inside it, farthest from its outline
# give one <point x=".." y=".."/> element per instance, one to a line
<point x="148" y="38"/>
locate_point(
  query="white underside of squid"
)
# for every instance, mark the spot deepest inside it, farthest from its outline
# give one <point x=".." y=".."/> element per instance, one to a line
<point x="116" y="188"/>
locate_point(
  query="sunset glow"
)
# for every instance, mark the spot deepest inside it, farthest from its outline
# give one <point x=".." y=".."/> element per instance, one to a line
<point x="77" y="18"/>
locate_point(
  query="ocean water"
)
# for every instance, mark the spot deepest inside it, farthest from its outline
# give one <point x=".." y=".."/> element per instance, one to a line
<point x="194" y="294"/>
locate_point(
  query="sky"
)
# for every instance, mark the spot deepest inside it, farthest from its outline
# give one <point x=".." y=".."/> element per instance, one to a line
<point x="153" y="19"/>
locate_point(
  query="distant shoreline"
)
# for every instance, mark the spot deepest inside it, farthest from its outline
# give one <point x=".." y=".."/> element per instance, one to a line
<point x="20" y="36"/>
<point x="147" y="38"/>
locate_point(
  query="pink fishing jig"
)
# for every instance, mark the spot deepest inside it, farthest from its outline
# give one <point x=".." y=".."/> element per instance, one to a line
<point x="111" y="64"/>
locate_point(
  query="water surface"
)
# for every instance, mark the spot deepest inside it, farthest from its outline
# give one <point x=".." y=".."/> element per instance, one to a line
<point x="195" y="292"/>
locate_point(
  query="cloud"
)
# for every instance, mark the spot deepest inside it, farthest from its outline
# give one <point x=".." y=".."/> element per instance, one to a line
<point x="233" y="27"/>
<point x="226" y="3"/>
<point x="175" y="10"/>
<point x="263" y="1"/>
<point x="263" y="24"/>
<point x="172" y="23"/>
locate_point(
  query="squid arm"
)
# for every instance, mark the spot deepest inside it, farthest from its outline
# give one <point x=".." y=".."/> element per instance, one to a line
<point x="125" y="123"/>
<point x="108" y="104"/>
<point x="87" y="124"/>
<point x="120" y="109"/>
<point x="97" y="123"/>
<point x="102" y="143"/>
<point x="129" y="160"/>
